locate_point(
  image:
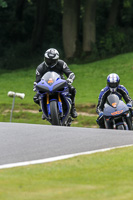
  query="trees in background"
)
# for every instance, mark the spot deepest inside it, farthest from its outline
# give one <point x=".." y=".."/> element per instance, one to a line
<point x="70" y="26"/>
<point x="113" y="14"/>
<point x="89" y="25"/>
<point x="3" y="4"/>
<point x="39" y="24"/>
<point x="77" y="28"/>
<point x="19" y="9"/>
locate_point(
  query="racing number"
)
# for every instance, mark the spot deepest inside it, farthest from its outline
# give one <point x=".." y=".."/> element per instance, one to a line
<point x="117" y="112"/>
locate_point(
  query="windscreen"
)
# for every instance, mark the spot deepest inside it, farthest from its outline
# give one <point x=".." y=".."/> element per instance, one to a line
<point x="113" y="100"/>
<point x="50" y="77"/>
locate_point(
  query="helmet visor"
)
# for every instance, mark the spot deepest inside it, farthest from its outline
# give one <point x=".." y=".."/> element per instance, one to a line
<point x="113" y="85"/>
<point x="50" y="62"/>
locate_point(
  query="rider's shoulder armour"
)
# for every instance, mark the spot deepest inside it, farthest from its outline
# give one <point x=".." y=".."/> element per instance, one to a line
<point x="121" y="87"/>
<point x="103" y="91"/>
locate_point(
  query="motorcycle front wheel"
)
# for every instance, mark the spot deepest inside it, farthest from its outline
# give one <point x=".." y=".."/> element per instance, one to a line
<point x="54" y="113"/>
<point x="120" y="127"/>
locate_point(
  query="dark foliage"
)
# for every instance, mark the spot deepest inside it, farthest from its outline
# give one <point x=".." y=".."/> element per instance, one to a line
<point x="17" y="19"/>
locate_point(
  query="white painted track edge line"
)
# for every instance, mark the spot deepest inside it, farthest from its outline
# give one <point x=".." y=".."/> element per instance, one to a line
<point x="52" y="159"/>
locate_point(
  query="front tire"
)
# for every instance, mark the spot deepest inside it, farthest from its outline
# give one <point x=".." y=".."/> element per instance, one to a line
<point x="120" y="127"/>
<point x="54" y="113"/>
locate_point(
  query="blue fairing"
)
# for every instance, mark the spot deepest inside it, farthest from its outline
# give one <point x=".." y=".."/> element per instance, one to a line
<point x="52" y="84"/>
<point x="46" y="87"/>
<point x="116" y="113"/>
<point x="121" y="107"/>
<point x="60" y="107"/>
<point x="68" y="102"/>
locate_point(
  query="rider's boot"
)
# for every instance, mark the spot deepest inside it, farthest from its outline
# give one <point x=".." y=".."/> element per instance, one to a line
<point x="43" y="117"/>
<point x="36" y="99"/>
<point x="73" y="111"/>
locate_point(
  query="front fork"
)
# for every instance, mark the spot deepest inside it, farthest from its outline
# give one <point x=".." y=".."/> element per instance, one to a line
<point x="48" y="104"/>
<point x="59" y="104"/>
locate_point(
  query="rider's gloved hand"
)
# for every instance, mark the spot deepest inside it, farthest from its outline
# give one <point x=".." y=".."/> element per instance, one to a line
<point x="34" y="87"/>
<point x="69" y="81"/>
<point x="100" y="114"/>
<point x="129" y="105"/>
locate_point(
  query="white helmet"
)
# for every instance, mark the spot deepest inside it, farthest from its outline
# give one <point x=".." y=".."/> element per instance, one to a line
<point x="51" y="57"/>
<point x="113" y="81"/>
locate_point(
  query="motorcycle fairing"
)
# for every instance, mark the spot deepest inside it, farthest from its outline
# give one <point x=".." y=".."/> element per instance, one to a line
<point x="51" y="88"/>
<point x="68" y="101"/>
<point x="122" y="107"/>
<point x="43" y="86"/>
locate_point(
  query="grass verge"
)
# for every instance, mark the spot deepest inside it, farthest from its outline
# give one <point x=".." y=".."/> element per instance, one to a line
<point x="101" y="176"/>
<point x="29" y="114"/>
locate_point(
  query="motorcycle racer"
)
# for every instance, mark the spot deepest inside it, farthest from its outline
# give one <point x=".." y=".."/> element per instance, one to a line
<point x="113" y="86"/>
<point x="53" y="63"/>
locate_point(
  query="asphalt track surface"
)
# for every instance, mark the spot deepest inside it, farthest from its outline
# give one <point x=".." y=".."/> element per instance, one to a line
<point x="27" y="142"/>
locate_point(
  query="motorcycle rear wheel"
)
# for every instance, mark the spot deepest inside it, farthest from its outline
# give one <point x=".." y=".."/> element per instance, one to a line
<point x="54" y="113"/>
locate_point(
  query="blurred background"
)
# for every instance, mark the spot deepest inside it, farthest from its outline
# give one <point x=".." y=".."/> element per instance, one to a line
<point x="81" y="30"/>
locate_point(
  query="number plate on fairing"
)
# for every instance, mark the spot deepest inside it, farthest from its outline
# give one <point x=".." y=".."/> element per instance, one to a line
<point x="117" y="112"/>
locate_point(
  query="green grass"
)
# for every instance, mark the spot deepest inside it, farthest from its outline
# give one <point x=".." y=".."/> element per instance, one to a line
<point x="17" y="81"/>
<point x="101" y="176"/>
<point x="32" y="118"/>
<point x="29" y="114"/>
<point x="90" y="79"/>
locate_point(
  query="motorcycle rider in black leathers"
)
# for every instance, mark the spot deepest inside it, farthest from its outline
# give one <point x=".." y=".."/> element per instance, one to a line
<point x="52" y="63"/>
<point x="113" y="86"/>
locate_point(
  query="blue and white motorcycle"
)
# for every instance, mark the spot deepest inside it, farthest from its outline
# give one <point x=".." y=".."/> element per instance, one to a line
<point x="55" y="99"/>
<point x="117" y="114"/>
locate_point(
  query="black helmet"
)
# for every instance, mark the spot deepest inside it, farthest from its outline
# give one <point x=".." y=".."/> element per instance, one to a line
<point x="113" y="81"/>
<point x="51" y="57"/>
